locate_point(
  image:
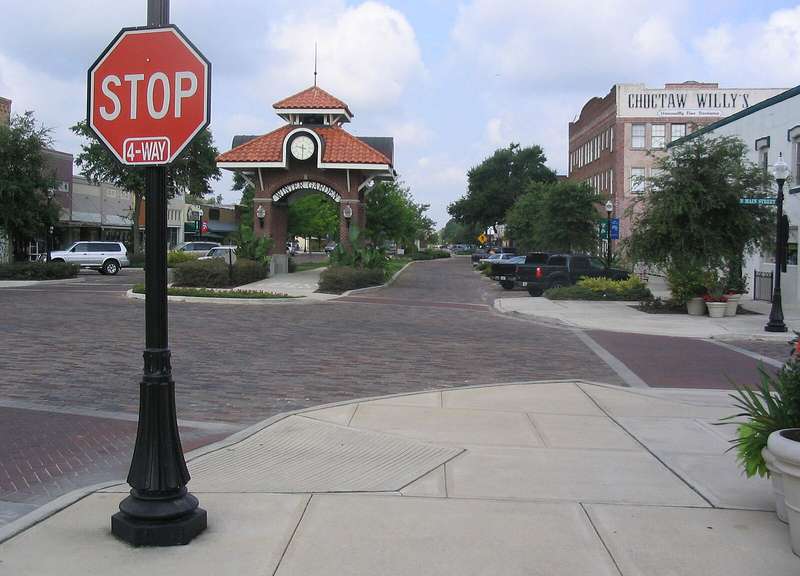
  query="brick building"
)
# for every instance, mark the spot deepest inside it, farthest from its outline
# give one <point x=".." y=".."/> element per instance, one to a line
<point x="5" y="110"/>
<point x="615" y="141"/>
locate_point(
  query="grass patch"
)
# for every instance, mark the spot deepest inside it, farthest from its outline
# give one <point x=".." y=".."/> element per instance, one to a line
<point x="310" y="266"/>
<point x="209" y="293"/>
<point x="630" y="290"/>
<point x="395" y="265"/>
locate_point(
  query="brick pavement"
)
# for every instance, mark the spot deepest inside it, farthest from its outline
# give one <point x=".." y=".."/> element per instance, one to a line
<point x="79" y="345"/>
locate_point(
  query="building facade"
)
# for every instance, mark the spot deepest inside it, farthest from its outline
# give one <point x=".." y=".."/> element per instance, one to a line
<point x="5" y="110"/>
<point x="769" y="129"/>
<point x="616" y="140"/>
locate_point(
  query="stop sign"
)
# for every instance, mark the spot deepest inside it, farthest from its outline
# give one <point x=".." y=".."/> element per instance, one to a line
<point x="149" y="95"/>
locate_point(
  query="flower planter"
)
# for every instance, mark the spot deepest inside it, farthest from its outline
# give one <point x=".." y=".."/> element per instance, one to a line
<point x="777" y="485"/>
<point x="785" y="448"/>
<point x="733" y="304"/>
<point x="696" y="307"/>
<point x="716" y="309"/>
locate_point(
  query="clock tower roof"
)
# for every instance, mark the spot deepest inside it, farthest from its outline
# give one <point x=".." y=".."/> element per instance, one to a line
<point x="313" y="100"/>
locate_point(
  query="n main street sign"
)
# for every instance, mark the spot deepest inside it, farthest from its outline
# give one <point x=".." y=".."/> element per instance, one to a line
<point x="149" y="95"/>
<point x="757" y="201"/>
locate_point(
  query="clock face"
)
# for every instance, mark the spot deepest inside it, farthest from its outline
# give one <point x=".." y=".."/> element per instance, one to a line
<point x="302" y="147"/>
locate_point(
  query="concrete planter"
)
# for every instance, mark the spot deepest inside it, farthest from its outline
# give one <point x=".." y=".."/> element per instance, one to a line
<point x="785" y="447"/>
<point x="716" y="309"/>
<point x="696" y="307"/>
<point x="777" y="485"/>
<point x="733" y="304"/>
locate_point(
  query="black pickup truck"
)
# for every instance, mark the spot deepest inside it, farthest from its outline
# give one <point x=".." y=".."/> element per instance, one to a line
<point x="563" y="270"/>
<point x="505" y="271"/>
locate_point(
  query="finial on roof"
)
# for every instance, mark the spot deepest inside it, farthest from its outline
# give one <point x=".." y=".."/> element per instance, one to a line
<point x="315" y="64"/>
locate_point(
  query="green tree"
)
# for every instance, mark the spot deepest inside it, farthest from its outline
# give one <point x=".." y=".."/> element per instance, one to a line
<point x="691" y="218"/>
<point x="558" y="216"/>
<point x="191" y="173"/>
<point x="394" y="215"/>
<point x="25" y="211"/>
<point x="495" y="184"/>
<point x="240" y="184"/>
<point x="313" y="215"/>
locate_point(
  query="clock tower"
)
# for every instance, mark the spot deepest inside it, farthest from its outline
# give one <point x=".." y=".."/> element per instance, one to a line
<point x="310" y="154"/>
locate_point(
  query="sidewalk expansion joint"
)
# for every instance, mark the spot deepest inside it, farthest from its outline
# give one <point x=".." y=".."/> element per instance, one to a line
<point x="289" y="541"/>
<point x="649" y="451"/>
<point x="600" y="537"/>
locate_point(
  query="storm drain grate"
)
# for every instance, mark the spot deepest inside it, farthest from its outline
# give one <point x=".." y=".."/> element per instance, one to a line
<point x="303" y="455"/>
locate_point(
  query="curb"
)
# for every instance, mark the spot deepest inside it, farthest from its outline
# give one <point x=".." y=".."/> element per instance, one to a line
<point x="43" y="512"/>
<point x="497" y="305"/>
<point x="379" y="286"/>
<point x="250" y="301"/>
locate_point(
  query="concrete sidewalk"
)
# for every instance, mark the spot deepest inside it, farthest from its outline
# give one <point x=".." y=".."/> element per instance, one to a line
<point x="624" y="317"/>
<point x="296" y="284"/>
<point x="559" y="478"/>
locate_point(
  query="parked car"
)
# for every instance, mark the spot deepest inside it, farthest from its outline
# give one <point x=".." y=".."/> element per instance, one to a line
<point x="330" y="247"/>
<point x="226" y="253"/>
<point x="504" y="271"/>
<point x="105" y="257"/>
<point x="198" y="248"/>
<point x="492" y="258"/>
<point x="564" y="270"/>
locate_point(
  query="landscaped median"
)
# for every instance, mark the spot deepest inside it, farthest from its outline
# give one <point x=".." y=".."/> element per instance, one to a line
<point x="212" y="293"/>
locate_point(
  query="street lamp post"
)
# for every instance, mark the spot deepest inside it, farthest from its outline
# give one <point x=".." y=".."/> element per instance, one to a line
<point x="200" y="224"/>
<point x="609" y="210"/>
<point x="781" y="172"/>
<point x="50" y="195"/>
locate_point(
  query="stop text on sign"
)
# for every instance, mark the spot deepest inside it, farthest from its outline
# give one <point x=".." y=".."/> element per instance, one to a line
<point x="149" y="95"/>
<point x="158" y="86"/>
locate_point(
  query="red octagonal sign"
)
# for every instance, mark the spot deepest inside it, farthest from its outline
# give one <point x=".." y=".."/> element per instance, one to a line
<point x="149" y="95"/>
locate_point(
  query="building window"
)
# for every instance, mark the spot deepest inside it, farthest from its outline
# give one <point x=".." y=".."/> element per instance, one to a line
<point x="637" y="180"/>
<point x="658" y="135"/>
<point x="637" y="135"/>
<point x="677" y="131"/>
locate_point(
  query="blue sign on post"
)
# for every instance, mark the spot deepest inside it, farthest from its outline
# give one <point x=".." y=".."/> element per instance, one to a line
<point x="603" y="231"/>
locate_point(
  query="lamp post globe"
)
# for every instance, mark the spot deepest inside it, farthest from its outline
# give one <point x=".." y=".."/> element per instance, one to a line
<point x="780" y="171"/>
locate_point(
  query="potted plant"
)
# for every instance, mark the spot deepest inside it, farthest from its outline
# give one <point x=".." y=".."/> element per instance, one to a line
<point x="736" y="288"/>
<point x="687" y="287"/>
<point x="715" y="299"/>
<point x="773" y="406"/>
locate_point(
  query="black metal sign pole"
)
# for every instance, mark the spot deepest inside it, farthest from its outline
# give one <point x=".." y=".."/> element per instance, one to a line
<point x="159" y="511"/>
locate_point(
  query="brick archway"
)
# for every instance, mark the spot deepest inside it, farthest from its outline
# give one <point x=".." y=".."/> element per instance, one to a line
<point x="311" y="152"/>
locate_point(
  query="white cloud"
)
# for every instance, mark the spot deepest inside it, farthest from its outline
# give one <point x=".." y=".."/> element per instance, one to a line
<point x="412" y="133"/>
<point x="761" y="53"/>
<point x="494" y="132"/>
<point x="367" y="53"/>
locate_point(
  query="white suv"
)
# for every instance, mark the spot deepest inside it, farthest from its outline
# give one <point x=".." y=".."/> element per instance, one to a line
<point x="106" y="257"/>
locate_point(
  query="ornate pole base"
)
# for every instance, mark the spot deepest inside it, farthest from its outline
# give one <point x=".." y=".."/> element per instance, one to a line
<point x="776" y="323"/>
<point x="159" y="511"/>
<point x="148" y="521"/>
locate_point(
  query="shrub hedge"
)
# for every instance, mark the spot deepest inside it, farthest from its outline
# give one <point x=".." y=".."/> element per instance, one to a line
<point x="430" y="255"/>
<point x="38" y="271"/>
<point x="630" y="290"/>
<point x="178" y="257"/>
<point x="338" y="279"/>
<point x="214" y="273"/>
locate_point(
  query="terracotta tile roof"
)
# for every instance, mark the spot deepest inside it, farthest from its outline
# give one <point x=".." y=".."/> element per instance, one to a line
<point x="340" y="147"/>
<point x="266" y="148"/>
<point x="311" y="98"/>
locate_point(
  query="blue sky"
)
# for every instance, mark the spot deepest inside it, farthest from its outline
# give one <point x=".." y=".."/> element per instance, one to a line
<point x="451" y="81"/>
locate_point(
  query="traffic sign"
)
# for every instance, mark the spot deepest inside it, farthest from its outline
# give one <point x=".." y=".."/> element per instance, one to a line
<point x="757" y="201"/>
<point x="149" y="95"/>
<point x="482" y="238"/>
<point x="204" y="227"/>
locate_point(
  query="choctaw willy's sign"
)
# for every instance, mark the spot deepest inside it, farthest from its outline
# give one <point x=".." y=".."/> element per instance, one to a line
<point x="634" y="100"/>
